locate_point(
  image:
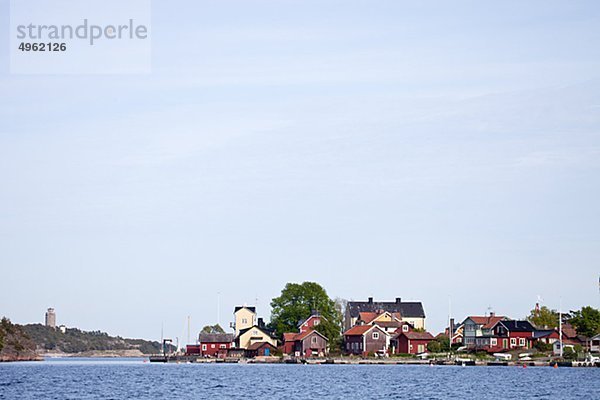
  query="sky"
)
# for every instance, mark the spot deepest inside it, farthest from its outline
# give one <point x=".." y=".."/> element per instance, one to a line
<point x="443" y="152"/>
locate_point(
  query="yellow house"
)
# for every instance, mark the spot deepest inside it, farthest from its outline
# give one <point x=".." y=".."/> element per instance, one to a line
<point x="245" y="317"/>
<point x="254" y="334"/>
<point x="411" y="311"/>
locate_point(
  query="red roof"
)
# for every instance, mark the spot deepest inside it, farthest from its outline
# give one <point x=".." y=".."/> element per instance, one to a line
<point x="289" y="336"/>
<point x="258" y="345"/>
<point x="367" y="316"/>
<point x="358" y="330"/>
<point x="303" y="335"/>
<point x="569" y="331"/>
<point x="487" y="322"/>
<point x="418" y="335"/>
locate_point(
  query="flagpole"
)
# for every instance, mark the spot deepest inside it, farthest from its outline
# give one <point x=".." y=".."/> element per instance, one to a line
<point x="560" y="327"/>
<point x="450" y="333"/>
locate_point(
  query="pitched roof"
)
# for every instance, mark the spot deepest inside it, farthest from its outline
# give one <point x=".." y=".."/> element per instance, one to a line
<point x="543" y="333"/>
<point x="518" y="326"/>
<point x="315" y="314"/>
<point x="358" y="330"/>
<point x="289" y="336"/>
<point x="303" y="335"/>
<point x="263" y="330"/>
<point x="215" y="338"/>
<point x="258" y="345"/>
<point x="569" y="331"/>
<point x="238" y="308"/>
<point x="486" y="322"/>
<point x="367" y="316"/>
<point x="417" y="335"/>
<point x="406" y="309"/>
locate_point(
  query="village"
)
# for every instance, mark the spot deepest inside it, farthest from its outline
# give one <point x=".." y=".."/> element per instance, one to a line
<point x="393" y="332"/>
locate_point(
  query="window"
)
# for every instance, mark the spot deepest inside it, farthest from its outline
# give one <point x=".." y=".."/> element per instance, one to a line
<point x="404" y="328"/>
<point x="244" y="320"/>
<point x="316" y="322"/>
<point x="212" y="346"/>
<point x="522" y="342"/>
<point x="375" y="335"/>
<point x="513" y="341"/>
<point x="203" y="347"/>
<point x="314" y="339"/>
<point x="494" y="341"/>
<point x="223" y="346"/>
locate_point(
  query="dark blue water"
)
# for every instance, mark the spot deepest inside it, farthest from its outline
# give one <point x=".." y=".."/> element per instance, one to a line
<point x="134" y="379"/>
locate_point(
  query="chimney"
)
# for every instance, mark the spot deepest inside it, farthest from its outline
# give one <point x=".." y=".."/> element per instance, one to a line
<point x="370" y="300"/>
<point x="261" y="323"/>
<point x="398" y="300"/>
<point x="492" y="314"/>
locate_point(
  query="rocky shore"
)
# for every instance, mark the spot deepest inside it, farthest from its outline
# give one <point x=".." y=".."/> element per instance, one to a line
<point x="15" y="345"/>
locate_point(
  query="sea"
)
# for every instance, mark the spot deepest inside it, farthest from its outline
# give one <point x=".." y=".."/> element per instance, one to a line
<point x="138" y="379"/>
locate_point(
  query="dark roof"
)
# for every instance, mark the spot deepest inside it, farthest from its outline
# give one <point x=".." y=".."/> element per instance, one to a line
<point x="215" y="338"/>
<point x="417" y="335"/>
<point x="410" y="309"/>
<point x="518" y="326"/>
<point x="262" y="329"/>
<point x="314" y="314"/>
<point x="258" y="345"/>
<point x="305" y="334"/>
<point x="238" y="308"/>
<point x="543" y="333"/>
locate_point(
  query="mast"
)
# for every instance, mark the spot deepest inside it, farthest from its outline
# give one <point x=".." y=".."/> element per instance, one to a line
<point x="450" y="327"/>
<point x="188" y="338"/>
<point x="560" y="340"/>
<point x="219" y="308"/>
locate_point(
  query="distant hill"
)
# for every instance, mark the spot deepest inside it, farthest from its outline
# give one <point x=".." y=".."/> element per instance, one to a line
<point x="15" y="345"/>
<point x="74" y="340"/>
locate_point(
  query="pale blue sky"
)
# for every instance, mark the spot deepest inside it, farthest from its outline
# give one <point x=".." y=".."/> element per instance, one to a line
<point x="381" y="148"/>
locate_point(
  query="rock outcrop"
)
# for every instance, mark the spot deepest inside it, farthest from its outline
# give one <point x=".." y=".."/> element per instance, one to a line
<point x="15" y="345"/>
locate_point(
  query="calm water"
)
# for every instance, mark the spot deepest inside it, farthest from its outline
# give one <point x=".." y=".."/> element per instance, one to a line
<point x="134" y="379"/>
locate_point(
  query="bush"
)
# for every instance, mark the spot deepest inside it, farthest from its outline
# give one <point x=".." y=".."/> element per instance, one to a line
<point x="569" y="353"/>
<point x="434" y="346"/>
<point x="544" y="347"/>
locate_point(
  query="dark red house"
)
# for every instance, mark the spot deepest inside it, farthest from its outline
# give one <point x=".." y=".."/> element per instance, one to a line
<point x="260" y="349"/>
<point x="365" y="339"/>
<point x="309" y="343"/>
<point x="211" y="345"/>
<point x="309" y="323"/>
<point x="411" y="342"/>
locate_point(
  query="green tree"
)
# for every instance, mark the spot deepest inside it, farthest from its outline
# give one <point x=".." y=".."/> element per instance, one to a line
<point x="569" y="353"/>
<point x="212" y="329"/>
<point x="586" y="321"/>
<point x="439" y="345"/>
<point x="297" y="302"/>
<point x="544" y="318"/>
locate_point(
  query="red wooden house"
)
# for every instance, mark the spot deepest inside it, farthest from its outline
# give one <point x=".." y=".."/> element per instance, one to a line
<point x="309" y="323"/>
<point x="211" y="345"/>
<point x="365" y="339"/>
<point x="411" y="342"/>
<point x="260" y="349"/>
